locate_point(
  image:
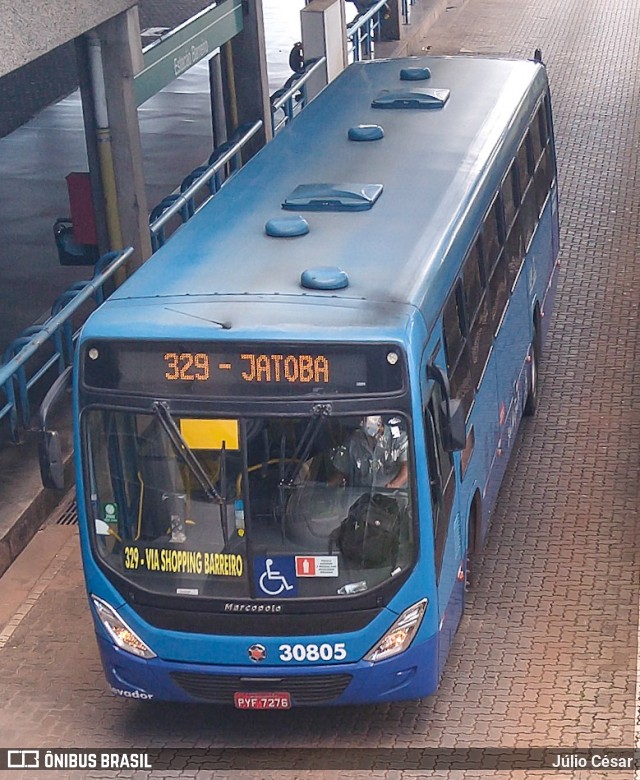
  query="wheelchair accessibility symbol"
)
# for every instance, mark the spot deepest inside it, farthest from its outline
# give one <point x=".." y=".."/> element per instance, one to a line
<point x="276" y="576"/>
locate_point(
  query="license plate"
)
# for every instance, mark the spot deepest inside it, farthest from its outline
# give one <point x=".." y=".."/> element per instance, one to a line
<point x="262" y="701"/>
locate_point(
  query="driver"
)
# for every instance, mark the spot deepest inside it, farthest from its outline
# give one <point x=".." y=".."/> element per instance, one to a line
<point x="374" y="455"/>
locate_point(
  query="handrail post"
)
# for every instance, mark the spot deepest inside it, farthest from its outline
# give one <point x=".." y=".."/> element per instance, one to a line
<point x="285" y="96"/>
<point x="12" y="408"/>
<point x="362" y="31"/>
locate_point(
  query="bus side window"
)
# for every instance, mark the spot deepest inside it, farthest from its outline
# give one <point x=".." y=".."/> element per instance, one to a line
<point x="492" y="236"/>
<point x="544" y="173"/>
<point x="515" y="251"/>
<point x="441" y="477"/>
<point x="543" y="115"/>
<point x="523" y="166"/>
<point x="498" y="292"/>
<point x="519" y="178"/>
<point x="456" y="347"/>
<point x="510" y="196"/>
<point x="473" y="280"/>
<point x="538" y="136"/>
<point x="453" y="330"/>
<point x="480" y="337"/>
<point x="528" y="207"/>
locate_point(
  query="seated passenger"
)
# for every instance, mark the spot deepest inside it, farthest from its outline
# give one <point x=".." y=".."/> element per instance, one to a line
<point x="374" y="455"/>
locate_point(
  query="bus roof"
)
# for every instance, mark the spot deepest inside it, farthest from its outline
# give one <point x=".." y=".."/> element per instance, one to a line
<point x="435" y="166"/>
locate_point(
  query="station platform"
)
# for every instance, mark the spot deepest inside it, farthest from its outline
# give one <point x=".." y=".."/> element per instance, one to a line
<point x="176" y="137"/>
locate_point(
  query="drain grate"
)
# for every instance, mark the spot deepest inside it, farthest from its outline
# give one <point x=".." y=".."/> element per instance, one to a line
<point x="66" y="513"/>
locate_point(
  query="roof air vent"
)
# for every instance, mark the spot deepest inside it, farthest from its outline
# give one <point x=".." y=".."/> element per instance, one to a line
<point x="365" y="133"/>
<point x="415" y="74"/>
<point x="415" y="98"/>
<point x="333" y="197"/>
<point x="286" y="227"/>
<point x="324" y="277"/>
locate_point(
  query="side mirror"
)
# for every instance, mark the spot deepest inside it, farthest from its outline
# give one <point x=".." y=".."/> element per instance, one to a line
<point x="51" y="460"/>
<point x="454" y="429"/>
<point x="49" y="444"/>
<point x="452" y="413"/>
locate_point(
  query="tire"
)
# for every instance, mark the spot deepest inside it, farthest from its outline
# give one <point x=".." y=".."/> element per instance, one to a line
<point x="531" y="404"/>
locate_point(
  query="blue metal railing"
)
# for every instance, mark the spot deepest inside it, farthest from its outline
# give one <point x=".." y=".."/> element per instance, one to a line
<point x="57" y="332"/>
<point x="292" y="97"/>
<point x="222" y="164"/>
<point x="364" y="31"/>
<point x="406" y="15"/>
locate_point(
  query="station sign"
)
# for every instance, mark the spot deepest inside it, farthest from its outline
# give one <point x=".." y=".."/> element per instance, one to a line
<point x="180" y="49"/>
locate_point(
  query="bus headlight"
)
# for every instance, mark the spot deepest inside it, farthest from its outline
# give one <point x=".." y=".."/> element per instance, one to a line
<point x="400" y="635"/>
<point x="119" y="631"/>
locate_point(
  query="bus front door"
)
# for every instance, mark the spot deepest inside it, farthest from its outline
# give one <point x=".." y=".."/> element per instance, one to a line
<point x="448" y="543"/>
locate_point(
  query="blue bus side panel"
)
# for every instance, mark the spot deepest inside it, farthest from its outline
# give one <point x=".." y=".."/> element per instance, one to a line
<point x="512" y="348"/>
<point x="484" y="421"/>
<point x="500" y="401"/>
<point x="450" y="621"/>
<point x="451" y="584"/>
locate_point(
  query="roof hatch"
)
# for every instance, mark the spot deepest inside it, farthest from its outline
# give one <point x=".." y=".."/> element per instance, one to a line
<point x="365" y="133"/>
<point x="324" y="277"/>
<point x="414" y="98"/>
<point x="286" y="227"/>
<point x="415" y="74"/>
<point x="333" y="197"/>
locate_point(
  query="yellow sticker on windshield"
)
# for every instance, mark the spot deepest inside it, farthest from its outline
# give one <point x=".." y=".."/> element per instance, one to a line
<point x="210" y="434"/>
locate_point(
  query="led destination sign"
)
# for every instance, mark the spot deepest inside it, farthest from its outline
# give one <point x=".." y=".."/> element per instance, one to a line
<point x="305" y="369"/>
<point x="258" y="370"/>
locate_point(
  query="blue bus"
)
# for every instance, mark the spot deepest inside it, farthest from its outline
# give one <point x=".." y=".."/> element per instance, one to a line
<point x="292" y="422"/>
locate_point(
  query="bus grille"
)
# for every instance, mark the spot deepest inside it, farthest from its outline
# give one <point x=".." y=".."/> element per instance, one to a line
<point x="303" y="689"/>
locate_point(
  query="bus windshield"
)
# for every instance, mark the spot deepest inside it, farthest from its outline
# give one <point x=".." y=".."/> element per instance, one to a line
<point x="250" y="508"/>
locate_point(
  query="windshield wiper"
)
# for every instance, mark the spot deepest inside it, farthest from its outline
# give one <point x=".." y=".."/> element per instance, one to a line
<point x="301" y="453"/>
<point x="184" y="452"/>
<point x="187" y="455"/>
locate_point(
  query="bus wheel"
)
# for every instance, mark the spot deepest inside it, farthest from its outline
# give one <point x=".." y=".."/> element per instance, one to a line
<point x="531" y="404"/>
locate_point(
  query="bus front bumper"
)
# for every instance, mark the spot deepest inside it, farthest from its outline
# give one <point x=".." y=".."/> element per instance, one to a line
<point x="410" y="675"/>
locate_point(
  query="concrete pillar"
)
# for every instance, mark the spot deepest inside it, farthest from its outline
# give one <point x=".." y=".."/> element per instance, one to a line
<point x="219" y="124"/>
<point x="246" y="86"/>
<point x="323" y="35"/>
<point x="122" y="58"/>
<point x="89" y="116"/>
